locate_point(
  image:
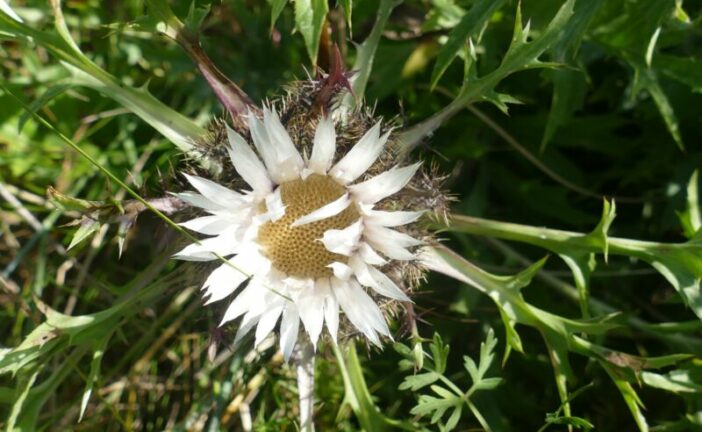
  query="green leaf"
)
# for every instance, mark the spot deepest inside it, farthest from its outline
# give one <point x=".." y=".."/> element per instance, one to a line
<point x="679" y="263"/>
<point x="439" y="352"/>
<point x="568" y="85"/>
<point x="470" y="26"/>
<point x="455" y="417"/>
<point x="358" y="396"/>
<point x="24" y="385"/>
<point x="690" y="219"/>
<point x="39" y="103"/>
<point x="277" y="7"/>
<point x="687" y="70"/>
<point x="87" y="227"/>
<point x="630" y="397"/>
<point x="430" y="404"/>
<point x="93" y="375"/>
<point x="522" y="54"/>
<point x="678" y="381"/>
<point x="645" y="78"/>
<point x="347" y="5"/>
<point x="310" y="17"/>
<point x="488" y="383"/>
<point x="365" y="54"/>
<point x="178" y="129"/>
<point x="415" y="382"/>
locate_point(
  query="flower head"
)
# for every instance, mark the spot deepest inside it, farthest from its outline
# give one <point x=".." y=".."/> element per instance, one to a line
<point x="307" y="236"/>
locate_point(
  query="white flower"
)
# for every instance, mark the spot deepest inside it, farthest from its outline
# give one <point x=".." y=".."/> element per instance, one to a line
<point x="306" y="237"/>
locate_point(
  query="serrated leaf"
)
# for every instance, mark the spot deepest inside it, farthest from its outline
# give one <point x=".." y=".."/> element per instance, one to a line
<point x="439" y="352"/>
<point x="487" y="354"/>
<point x="488" y="383"/>
<point x="455" y="417"/>
<point x="430" y="404"/>
<point x="444" y="393"/>
<point x="310" y="17"/>
<point x="501" y="100"/>
<point x="630" y="398"/>
<point x="471" y="367"/>
<point x="569" y="86"/>
<point x="470" y="26"/>
<point x="415" y="382"/>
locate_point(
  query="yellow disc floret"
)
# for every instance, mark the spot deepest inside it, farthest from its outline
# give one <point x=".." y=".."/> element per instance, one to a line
<point x="298" y="251"/>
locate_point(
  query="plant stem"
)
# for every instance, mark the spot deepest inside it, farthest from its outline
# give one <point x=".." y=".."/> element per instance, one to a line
<point x="305" y="385"/>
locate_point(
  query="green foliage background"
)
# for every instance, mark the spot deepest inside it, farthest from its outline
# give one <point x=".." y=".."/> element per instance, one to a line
<point x="543" y="113"/>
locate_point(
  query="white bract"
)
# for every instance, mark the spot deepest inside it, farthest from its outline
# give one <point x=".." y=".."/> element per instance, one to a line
<point x="305" y="241"/>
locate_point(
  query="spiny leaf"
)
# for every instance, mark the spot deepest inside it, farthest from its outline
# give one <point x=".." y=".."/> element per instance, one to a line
<point x="470" y="26"/>
<point x="568" y="85"/>
<point x="630" y="398"/>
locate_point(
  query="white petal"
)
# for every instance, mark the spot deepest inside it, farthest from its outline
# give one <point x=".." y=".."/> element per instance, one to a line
<point x="263" y="144"/>
<point x="209" y="225"/>
<point x="310" y="305"/>
<point x="247" y="164"/>
<point x="391" y="218"/>
<point x="343" y="241"/>
<point x="214" y="192"/>
<point x="360" y="309"/>
<point x="284" y="146"/>
<point x="247" y="323"/>
<point x="360" y="157"/>
<point x="223" y="281"/>
<point x="331" y="309"/>
<point x="341" y="270"/>
<point x="197" y="200"/>
<point x="332" y="209"/>
<point x="267" y="322"/>
<point x="371" y="277"/>
<point x="275" y="206"/>
<point x="324" y="146"/>
<point x="369" y="255"/>
<point x="223" y="245"/>
<point x="391" y="243"/>
<point x="243" y="302"/>
<point x="273" y="143"/>
<point x="383" y="185"/>
<point x="289" y="327"/>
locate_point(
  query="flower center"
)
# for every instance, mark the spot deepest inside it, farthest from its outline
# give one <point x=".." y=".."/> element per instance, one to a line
<point x="298" y="251"/>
